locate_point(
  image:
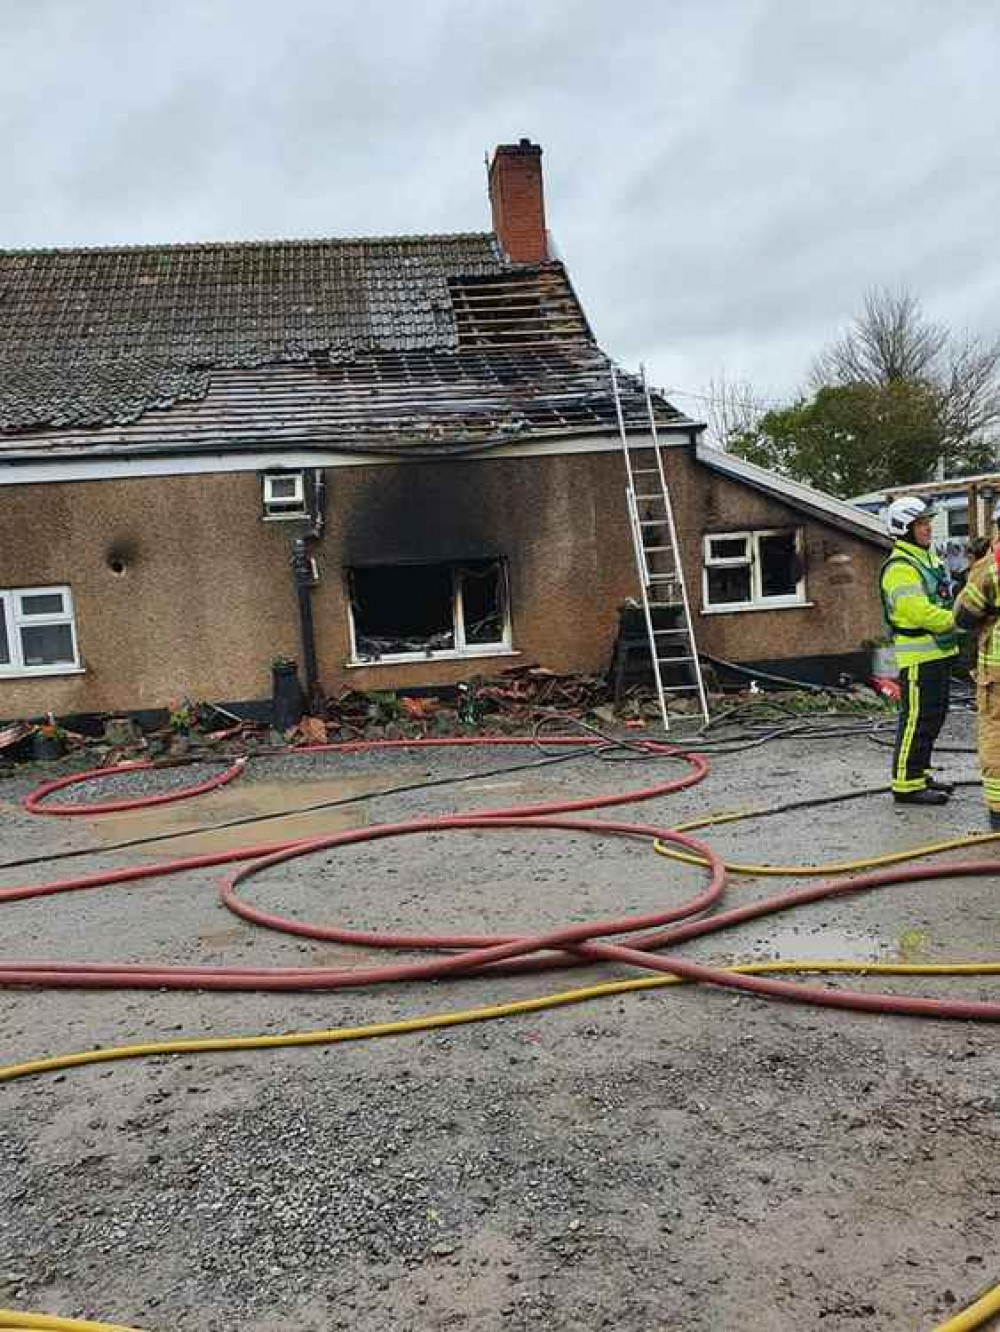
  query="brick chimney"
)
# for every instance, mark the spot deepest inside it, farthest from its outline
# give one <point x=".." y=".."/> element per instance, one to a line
<point x="518" y="203"/>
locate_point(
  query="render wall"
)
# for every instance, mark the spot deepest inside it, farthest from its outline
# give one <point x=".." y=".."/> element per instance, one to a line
<point x="206" y="600"/>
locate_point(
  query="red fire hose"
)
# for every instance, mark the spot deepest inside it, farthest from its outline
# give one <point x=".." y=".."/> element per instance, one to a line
<point x="33" y="801"/>
<point x="571" y="945"/>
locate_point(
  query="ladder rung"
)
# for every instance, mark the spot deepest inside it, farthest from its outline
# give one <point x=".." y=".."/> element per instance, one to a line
<point x="659" y="565"/>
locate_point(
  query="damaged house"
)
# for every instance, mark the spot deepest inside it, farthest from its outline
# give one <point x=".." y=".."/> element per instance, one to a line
<point x="395" y="459"/>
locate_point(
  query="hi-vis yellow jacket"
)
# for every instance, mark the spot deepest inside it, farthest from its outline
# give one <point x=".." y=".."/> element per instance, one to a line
<point x="981" y="599"/>
<point x="916" y="601"/>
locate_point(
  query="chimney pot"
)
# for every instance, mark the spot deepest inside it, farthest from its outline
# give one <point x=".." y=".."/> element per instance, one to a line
<point x="518" y="202"/>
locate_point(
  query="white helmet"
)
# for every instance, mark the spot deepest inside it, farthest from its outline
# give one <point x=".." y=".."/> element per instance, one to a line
<point x="904" y="511"/>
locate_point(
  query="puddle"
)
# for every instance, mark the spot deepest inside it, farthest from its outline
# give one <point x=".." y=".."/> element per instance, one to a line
<point x="825" y="945"/>
<point x="239" y="802"/>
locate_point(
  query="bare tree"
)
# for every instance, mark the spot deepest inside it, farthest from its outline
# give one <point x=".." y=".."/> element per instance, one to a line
<point x="733" y="409"/>
<point x="892" y="342"/>
<point x="969" y="391"/>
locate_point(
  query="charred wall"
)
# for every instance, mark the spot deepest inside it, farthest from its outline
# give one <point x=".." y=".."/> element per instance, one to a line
<point x="181" y="587"/>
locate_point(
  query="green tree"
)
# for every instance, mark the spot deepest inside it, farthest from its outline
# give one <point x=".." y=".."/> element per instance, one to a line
<point x="892" y="399"/>
<point x="851" y="438"/>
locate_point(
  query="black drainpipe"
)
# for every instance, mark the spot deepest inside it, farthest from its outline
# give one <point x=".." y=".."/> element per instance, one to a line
<point x="302" y="569"/>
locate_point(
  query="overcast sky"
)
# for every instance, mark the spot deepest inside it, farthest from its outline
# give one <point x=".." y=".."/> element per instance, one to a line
<point x="724" y="177"/>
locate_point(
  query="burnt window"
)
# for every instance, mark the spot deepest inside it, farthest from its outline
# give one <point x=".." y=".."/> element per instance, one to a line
<point x="423" y="610"/>
<point x="748" y="570"/>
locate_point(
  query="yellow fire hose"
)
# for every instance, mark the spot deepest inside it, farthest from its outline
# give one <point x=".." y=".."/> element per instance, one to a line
<point x="460" y="1017"/>
<point x="15" y="1322"/>
<point x="839" y="867"/>
<point x="974" y="1316"/>
<point x="971" y="1318"/>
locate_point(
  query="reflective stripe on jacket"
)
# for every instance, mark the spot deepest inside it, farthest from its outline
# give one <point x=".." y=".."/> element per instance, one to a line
<point x="980" y="598"/>
<point x="916" y="601"/>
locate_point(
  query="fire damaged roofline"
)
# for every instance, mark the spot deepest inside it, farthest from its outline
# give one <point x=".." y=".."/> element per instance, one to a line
<point x="91" y="339"/>
<point x="835" y="512"/>
<point x="402" y="404"/>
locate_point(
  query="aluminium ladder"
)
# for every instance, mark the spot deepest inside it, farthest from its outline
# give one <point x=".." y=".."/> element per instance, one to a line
<point x="666" y="609"/>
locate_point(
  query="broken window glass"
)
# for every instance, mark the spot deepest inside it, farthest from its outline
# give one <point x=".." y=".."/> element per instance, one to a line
<point x="481" y="590"/>
<point x="421" y="609"/>
<point x="779" y="564"/>
<point x="403" y="608"/>
<point x="753" y="568"/>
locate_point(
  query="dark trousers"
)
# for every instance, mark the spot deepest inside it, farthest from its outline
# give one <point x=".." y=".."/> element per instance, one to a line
<point x="924" y="692"/>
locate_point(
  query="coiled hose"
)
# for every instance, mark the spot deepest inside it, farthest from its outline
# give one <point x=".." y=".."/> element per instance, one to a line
<point x="570" y="946"/>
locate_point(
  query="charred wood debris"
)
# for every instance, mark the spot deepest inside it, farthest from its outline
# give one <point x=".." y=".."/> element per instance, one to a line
<point x="512" y="702"/>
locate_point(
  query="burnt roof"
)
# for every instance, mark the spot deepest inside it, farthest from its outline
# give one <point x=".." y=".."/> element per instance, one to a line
<point x="402" y="339"/>
<point x="377" y="402"/>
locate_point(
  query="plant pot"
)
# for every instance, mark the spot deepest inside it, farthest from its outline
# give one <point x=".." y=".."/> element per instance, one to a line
<point x="45" y="748"/>
<point x="287" y="702"/>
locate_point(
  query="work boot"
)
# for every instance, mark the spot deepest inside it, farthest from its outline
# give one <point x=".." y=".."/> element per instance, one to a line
<point x="926" y="795"/>
<point x="934" y="785"/>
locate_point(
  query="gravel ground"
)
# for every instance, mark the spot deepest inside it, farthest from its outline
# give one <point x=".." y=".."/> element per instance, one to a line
<point x="671" y="1159"/>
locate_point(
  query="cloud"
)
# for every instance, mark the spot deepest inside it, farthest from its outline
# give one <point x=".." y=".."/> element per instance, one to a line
<point x="723" y="179"/>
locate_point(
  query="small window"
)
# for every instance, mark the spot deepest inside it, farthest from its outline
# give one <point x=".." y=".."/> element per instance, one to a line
<point x="37" y="631"/>
<point x="284" y="495"/>
<point x="958" y="521"/>
<point x="413" y="611"/>
<point x="728" y="550"/>
<point x="754" y="569"/>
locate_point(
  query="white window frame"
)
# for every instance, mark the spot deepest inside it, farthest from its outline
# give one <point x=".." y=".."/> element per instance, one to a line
<point x="279" y="507"/>
<point x="15" y="620"/>
<point x="501" y="647"/>
<point x="751" y="538"/>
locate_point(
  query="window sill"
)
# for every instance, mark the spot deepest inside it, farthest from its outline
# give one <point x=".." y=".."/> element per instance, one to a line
<point x="757" y="606"/>
<point x="34" y="672"/>
<point x="416" y="658"/>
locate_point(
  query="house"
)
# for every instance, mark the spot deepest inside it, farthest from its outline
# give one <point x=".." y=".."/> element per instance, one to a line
<point x="395" y="459"/>
<point x="963" y="505"/>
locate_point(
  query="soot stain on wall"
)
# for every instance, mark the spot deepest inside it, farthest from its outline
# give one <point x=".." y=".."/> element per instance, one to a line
<point x="426" y="513"/>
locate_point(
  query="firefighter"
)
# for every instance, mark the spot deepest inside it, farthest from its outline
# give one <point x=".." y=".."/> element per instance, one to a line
<point x="978" y="610"/>
<point x="916" y="601"/>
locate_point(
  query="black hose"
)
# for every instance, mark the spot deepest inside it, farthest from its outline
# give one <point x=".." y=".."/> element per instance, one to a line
<point x="290" y="813"/>
<point x="752" y="674"/>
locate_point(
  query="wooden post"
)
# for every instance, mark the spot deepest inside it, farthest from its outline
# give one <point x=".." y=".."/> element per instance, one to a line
<point x="972" y="494"/>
